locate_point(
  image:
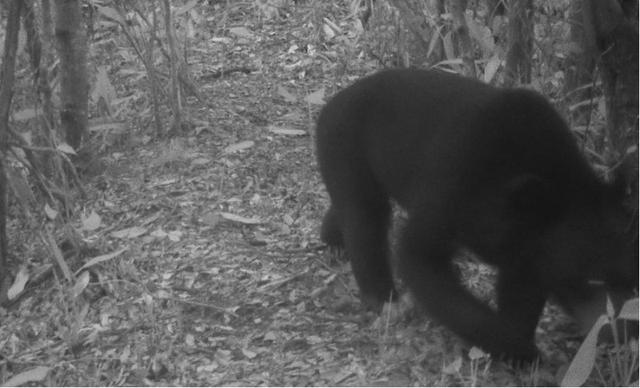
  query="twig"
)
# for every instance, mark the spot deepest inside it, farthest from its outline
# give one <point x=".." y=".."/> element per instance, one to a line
<point x="277" y="283"/>
<point x="224" y="72"/>
<point x="205" y="305"/>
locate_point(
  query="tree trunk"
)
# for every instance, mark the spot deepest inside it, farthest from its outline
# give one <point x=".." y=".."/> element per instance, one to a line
<point x="579" y="65"/>
<point x="174" y="67"/>
<point x="427" y="35"/>
<point x="461" y="30"/>
<point x="520" y="42"/>
<point x="6" y="95"/>
<point x="39" y="53"/>
<point x="611" y="29"/>
<point x="74" y="87"/>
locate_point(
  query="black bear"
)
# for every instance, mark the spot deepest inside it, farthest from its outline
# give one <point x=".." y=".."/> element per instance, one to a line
<point x="495" y="171"/>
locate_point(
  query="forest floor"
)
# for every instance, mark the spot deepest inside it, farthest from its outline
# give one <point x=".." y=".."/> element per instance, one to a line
<point x="217" y="275"/>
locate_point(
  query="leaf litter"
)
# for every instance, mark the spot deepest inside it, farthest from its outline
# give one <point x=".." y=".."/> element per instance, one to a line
<point x="207" y="268"/>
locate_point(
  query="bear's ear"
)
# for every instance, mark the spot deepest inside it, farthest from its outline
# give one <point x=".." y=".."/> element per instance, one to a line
<point x="532" y="200"/>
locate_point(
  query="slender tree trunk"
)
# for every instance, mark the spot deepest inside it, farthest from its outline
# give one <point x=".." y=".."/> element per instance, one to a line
<point x="174" y="66"/>
<point x="461" y="30"/>
<point x="579" y="66"/>
<point x="46" y="37"/>
<point x="412" y="16"/>
<point x="39" y="50"/>
<point x="6" y="95"/>
<point x="612" y="38"/>
<point x="520" y="42"/>
<point x="152" y="74"/>
<point x="74" y="87"/>
<point x="47" y="28"/>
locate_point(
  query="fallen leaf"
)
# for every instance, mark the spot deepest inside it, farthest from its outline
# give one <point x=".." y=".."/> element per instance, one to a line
<point x="288" y="219"/>
<point x="328" y="32"/>
<point x="81" y="284"/>
<point x="207" y="368"/>
<point x="239" y="146"/>
<point x="200" y="161"/>
<point x="50" y="212"/>
<point x="100" y="259"/>
<point x="132" y="232"/>
<point x="166" y="182"/>
<point x="329" y="278"/>
<point x="103" y="90"/>
<point x="92" y="222"/>
<point x="241" y="32"/>
<point x="221" y="39"/>
<point x="249" y="354"/>
<point x="287" y="131"/>
<point x="158" y="233"/>
<point x="24" y="114"/>
<point x="66" y="148"/>
<point x="185" y="8"/>
<point x="314" y="339"/>
<point x="316" y="98"/>
<point x="211" y="218"/>
<point x="491" y="68"/>
<point x="36" y="374"/>
<point x="18" y="285"/>
<point x="240" y="219"/>
<point x="114" y="127"/>
<point x="175" y="235"/>
<point x="126" y="353"/>
<point x="287" y="95"/>
<point x="111" y="14"/>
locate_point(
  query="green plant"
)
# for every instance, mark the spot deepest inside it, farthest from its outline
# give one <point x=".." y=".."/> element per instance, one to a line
<point x="621" y="361"/>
